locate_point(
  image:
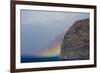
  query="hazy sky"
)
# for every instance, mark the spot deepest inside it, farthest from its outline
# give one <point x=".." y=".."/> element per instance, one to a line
<point x="40" y="28"/>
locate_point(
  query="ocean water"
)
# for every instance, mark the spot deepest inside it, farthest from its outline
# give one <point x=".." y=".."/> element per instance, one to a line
<point x="26" y="59"/>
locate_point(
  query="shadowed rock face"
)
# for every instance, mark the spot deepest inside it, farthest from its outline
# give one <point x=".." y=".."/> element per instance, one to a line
<point x="75" y="45"/>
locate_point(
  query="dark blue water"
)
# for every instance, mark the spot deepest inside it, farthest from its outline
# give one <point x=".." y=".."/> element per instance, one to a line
<point x="25" y="59"/>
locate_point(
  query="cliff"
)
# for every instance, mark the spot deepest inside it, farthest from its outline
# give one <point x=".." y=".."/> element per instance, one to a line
<point x="75" y="45"/>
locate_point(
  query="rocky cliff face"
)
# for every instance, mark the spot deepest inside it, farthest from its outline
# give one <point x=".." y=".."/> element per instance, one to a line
<point x="75" y="45"/>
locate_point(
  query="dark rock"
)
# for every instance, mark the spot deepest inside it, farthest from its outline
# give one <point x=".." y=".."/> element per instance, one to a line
<point x="75" y="45"/>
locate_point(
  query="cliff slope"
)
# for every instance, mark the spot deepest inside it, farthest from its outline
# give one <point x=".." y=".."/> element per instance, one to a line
<point x="75" y="45"/>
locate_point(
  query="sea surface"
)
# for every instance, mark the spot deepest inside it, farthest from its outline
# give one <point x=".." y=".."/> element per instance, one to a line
<point x="26" y="59"/>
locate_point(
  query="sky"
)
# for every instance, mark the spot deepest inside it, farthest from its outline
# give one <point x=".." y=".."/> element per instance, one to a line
<point x="42" y="31"/>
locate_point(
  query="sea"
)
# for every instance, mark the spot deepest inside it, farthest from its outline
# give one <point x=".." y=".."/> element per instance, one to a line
<point x="26" y="59"/>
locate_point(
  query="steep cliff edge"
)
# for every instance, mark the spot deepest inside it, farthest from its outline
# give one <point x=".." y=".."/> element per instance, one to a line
<point x="75" y="45"/>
